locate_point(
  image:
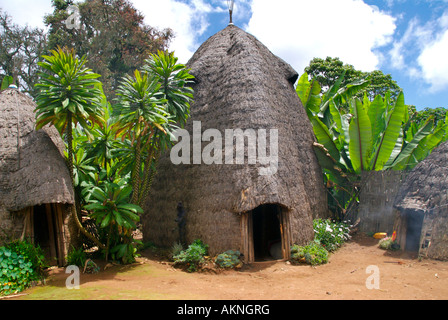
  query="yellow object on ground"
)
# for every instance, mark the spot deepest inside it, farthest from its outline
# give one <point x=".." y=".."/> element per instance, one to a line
<point x="380" y="235"/>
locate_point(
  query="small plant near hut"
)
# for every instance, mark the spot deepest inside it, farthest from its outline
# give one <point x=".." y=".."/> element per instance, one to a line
<point x="76" y="257"/>
<point x="389" y="243"/>
<point x="176" y="249"/>
<point x="313" y="254"/>
<point x="193" y="257"/>
<point x="331" y="234"/>
<point x="112" y="211"/>
<point x="21" y="264"/>
<point x="229" y="259"/>
<point x="328" y="237"/>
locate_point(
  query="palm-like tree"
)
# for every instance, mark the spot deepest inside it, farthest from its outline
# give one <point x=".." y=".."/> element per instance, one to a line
<point x="140" y="112"/>
<point x="69" y="94"/>
<point x="150" y="106"/>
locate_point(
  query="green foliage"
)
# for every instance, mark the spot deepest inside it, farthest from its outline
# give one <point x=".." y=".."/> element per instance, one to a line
<point x="150" y="106"/>
<point x="20" y="265"/>
<point x="76" y="257"/>
<point x="328" y="237"/>
<point x="388" y="244"/>
<point x="329" y="71"/>
<point x="6" y="82"/>
<point x="193" y="256"/>
<point x="69" y="92"/>
<point x="313" y="254"/>
<point x="439" y="114"/>
<point x="30" y="252"/>
<point x="110" y="207"/>
<point x="330" y="234"/>
<point x="356" y="135"/>
<point x="176" y="249"/>
<point x="125" y="252"/>
<point x="229" y="259"/>
<point x="113" y="35"/>
<point x="20" y="50"/>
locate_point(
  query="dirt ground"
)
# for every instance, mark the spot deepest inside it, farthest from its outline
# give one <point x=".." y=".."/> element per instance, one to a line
<point x="343" y="278"/>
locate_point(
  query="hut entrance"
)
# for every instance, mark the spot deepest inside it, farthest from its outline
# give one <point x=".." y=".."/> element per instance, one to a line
<point x="414" y="223"/>
<point x="264" y="236"/>
<point x="45" y="229"/>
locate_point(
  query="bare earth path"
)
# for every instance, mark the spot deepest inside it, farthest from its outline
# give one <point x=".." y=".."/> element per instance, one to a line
<point x="344" y="277"/>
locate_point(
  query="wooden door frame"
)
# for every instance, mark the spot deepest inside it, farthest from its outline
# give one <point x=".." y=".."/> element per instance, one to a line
<point x="247" y="234"/>
<point x="54" y="214"/>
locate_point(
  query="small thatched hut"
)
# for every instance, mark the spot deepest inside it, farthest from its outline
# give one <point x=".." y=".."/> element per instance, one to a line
<point x="240" y="84"/>
<point x="35" y="185"/>
<point x="422" y="207"/>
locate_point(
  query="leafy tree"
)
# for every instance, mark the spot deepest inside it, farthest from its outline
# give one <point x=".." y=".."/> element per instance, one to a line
<point x="150" y="105"/>
<point x="439" y="114"/>
<point x="69" y="93"/>
<point x="373" y="135"/>
<point x="20" y="51"/>
<point x="113" y="35"/>
<point x="328" y="71"/>
<point x="112" y="210"/>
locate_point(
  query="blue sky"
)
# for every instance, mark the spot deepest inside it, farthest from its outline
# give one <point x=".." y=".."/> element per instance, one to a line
<point x="408" y="39"/>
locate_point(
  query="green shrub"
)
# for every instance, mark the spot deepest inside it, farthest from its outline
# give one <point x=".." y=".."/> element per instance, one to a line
<point x="176" y="249"/>
<point x="331" y="234"/>
<point x="313" y="254"/>
<point x="388" y="244"/>
<point x="21" y="263"/>
<point x="229" y="259"/>
<point x="76" y="257"/>
<point x="193" y="256"/>
<point x="32" y="253"/>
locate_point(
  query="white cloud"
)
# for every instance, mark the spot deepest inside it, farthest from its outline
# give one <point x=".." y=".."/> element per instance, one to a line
<point x="171" y="14"/>
<point x="188" y="21"/>
<point x="434" y="64"/>
<point x="298" y="31"/>
<point x="25" y="12"/>
<point x="421" y="52"/>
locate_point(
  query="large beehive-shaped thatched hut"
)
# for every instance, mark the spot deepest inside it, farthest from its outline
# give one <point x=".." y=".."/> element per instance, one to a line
<point x="240" y="84"/>
<point x="422" y="207"/>
<point x="35" y="185"/>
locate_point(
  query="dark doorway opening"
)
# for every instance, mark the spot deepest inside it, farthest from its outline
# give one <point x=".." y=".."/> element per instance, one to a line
<point x="414" y="223"/>
<point x="267" y="236"/>
<point x="45" y="232"/>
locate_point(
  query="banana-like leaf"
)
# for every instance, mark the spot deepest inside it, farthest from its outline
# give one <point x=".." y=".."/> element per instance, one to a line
<point x="360" y="131"/>
<point x="324" y="137"/>
<point x="376" y="115"/>
<point x="327" y="162"/>
<point x="432" y="140"/>
<point x="395" y="152"/>
<point x="389" y="137"/>
<point x="309" y="94"/>
<point x="348" y="91"/>
<point x="446" y="128"/>
<point x="409" y="155"/>
<point x="332" y="92"/>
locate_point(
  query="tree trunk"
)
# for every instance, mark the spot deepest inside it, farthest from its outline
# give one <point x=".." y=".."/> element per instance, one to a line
<point x="136" y="173"/>
<point x="70" y="167"/>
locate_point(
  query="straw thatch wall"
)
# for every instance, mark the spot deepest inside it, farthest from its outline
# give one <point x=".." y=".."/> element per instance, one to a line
<point x="422" y="206"/>
<point x="376" y="200"/>
<point x="33" y="171"/>
<point x="240" y="84"/>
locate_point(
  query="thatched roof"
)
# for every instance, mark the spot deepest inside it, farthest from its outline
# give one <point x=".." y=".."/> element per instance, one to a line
<point x="426" y="186"/>
<point x="32" y="168"/>
<point x="240" y="84"/>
